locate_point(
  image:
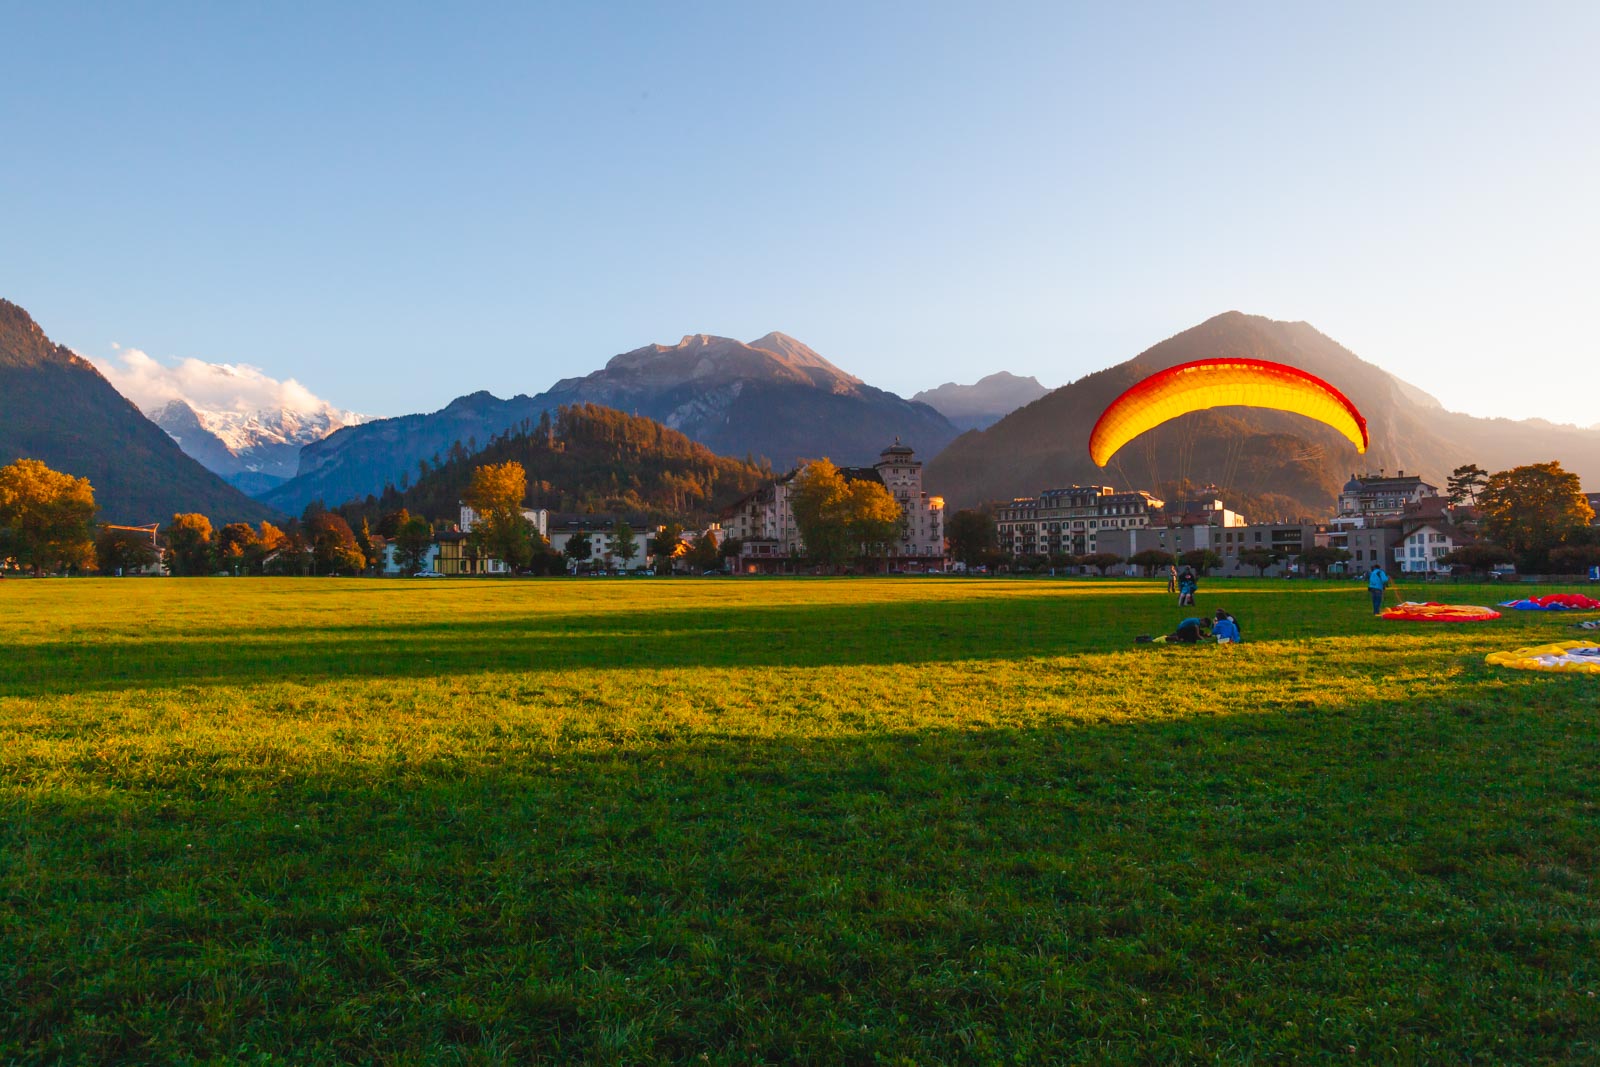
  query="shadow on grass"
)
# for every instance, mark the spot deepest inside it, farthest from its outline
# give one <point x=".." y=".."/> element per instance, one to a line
<point x="1047" y="623"/>
<point x="1404" y="882"/>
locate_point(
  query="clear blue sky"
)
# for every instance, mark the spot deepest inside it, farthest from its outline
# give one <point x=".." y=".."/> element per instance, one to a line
<point x="398" y="204"/>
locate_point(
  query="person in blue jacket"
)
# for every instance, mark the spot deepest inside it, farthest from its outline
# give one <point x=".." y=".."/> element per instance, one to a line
<point x="1377" y="582"/>
<point x="1226" y="629"/>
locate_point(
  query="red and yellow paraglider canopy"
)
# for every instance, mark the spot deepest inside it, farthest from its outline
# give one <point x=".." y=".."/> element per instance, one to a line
<point x="1217" y="383"/>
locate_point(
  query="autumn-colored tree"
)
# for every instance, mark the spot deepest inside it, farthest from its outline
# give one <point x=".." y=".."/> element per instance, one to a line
<point x="840" y="519"/>
<point x="817" y="495"/>
<point x="333" y="545"/>
<point x="236" y="545"/>
<point x="1533" y="509"/>
<point x="501" y="531"/>
<point x="189" y="548"/>
<point x="872" y="517"/>
<point x="497" y="487"/>
<point x="46" y="518"/>
<point x="120" y="551"/>
<point x="269" y="539"/>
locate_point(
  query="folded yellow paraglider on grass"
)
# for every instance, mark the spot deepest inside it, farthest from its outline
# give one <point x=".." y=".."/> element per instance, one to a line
<point x="1582" y="657"/>
<point x="1413" y="611"/>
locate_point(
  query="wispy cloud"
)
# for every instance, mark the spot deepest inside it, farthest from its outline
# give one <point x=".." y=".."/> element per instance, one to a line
<point x="232" y="387"/>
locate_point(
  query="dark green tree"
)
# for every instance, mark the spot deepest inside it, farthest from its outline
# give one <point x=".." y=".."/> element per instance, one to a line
<point x="1150" y="559"/>
<point x="972" y="536"/>
<point x="705" y="555"/>
<point x="1320" y="557"/>
<point x="579" y="550"/>
<point x="1202" y="560"/>
<point x="412" y="540"/>
<point x="1465" y="483"/>
<point x="1100" y="561"/>
<point x="1260" y="559"/>
<point x="120" y="551"/>
<point x="624" y="545"/>
<point x="667" y="546"/>
<point x="1480" y="557"/>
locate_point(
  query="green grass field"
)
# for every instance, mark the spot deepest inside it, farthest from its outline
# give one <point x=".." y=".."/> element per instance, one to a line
<point x="829" y="821"/>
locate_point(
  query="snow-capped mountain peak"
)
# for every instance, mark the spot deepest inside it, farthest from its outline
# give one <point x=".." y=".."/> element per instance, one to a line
<point x="233" y="418"/>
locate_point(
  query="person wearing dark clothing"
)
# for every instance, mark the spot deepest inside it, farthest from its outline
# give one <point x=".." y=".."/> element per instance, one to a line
<point x="1187" y="584"/>
<point x="1189" y="632"/>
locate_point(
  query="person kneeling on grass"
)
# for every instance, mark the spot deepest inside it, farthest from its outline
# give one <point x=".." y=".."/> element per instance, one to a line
<point x="1226" y="629"/>
<point x="1189" y="633"/>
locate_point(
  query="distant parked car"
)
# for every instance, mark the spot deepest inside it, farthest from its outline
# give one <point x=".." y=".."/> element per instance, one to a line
<point x="427" y="574"/>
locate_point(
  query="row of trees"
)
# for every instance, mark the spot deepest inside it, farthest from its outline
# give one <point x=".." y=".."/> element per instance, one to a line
<point x="496" y="493"/>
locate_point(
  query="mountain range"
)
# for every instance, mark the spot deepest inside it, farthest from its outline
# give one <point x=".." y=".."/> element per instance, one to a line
<point x="983" y="403"/>
<point x="772" y="398"/>
<point x="57" y="408"/>
<point x="1269" y="464"/>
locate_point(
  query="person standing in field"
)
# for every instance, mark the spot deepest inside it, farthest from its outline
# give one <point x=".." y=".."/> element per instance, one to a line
<point x="1377" y="582"/>
<point x="1172" y="577"/>
<point x="1187" y="584"/>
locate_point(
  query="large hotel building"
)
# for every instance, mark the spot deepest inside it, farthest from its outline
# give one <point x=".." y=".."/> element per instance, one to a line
<point x="1070" y="520"/>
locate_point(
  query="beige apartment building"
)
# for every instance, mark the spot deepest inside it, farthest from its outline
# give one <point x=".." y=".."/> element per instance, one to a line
<point x="1072" y="520"/>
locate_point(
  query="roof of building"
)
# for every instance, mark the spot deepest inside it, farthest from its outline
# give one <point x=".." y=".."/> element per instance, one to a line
<point x="1456" y="533"/>
<point x="1382" y="482"/>
<point x="898" y="449"/>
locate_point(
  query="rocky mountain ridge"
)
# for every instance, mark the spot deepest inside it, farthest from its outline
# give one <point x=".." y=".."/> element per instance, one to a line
<point x="772" y="398"/>
<point x="984" y="402"/>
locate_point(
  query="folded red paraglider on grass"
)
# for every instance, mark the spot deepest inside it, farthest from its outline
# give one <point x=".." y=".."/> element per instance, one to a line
<point x="1413" y="611"/>
<point x="1555" y="602"/>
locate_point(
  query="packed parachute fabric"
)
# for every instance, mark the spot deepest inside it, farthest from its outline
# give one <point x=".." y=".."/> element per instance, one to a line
<point x="1413" y="611"/>
<point x="1555" y="602"/>
<point x="1578" y="657"/>
<point x="1215" y="383"/>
